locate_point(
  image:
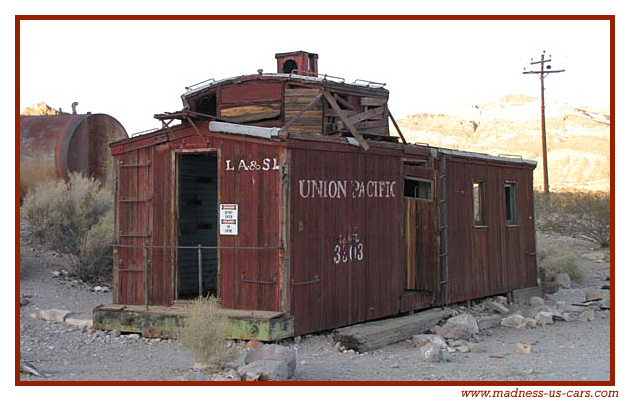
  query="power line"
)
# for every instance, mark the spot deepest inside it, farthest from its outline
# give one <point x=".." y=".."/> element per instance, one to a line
<point x="545" y="69"/>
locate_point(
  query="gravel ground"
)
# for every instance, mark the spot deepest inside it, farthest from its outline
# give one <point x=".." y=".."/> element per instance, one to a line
<point x="566" y="351"/>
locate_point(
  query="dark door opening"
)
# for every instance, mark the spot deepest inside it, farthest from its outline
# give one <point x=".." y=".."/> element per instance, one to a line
<point x="420" y="239"/>
<point x="197" y="204"/>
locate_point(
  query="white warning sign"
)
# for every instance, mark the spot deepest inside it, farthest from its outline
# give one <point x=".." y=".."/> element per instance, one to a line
<point x="228" y="217"/>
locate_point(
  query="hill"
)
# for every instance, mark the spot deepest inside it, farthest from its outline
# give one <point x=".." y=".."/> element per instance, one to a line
<point x="578" y="138"/>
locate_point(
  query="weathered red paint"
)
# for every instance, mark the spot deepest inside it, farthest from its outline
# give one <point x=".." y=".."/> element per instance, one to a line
<point x="327" y="237"/>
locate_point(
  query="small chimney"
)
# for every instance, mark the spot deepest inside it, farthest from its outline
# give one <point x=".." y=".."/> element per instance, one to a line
<point x="74" y="107"/>
<point x="300" y="62"/>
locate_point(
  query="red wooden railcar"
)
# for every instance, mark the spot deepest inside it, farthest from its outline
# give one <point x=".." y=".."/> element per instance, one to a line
<point x="286" y="196"/>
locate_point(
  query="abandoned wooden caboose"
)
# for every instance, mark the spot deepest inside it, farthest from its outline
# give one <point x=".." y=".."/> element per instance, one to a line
<point x="285" y="195"/>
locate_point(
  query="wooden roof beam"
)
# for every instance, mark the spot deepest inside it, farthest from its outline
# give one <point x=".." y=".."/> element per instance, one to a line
<point x="346" y="122"/>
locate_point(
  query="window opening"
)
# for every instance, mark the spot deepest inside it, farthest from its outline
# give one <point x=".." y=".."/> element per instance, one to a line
<point x="289" y="66"/>
<point x="208" y="105"/>
<point x="419" y="189"/>
<point x="510" y="203"/>
<point x="478" y="215"/>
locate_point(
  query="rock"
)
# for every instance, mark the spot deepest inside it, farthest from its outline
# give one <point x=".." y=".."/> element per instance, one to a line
<point x="571" y="308"/>
<point x="56" y="273"/>
<point x="460" y="327"/>
<point x="421" y="340"/>
<point x="605" y="287"/>
<point x="99" y="288"/>
<point x="73" y="321"/>
<point x="228" y="375"/>
<point x="431" y="353"/>
<point x="523" y="348"/>
<point x="487" y="322"/>
<point x="53" y="315"/>
<point x="464" y="349"/>
<point x="24" y="301"/>
<point x="265" y="369"/>
<point x="501" y="300"/>
<point x="544" y="318"/>
<point x="515" y="321"/>
<point x="605" y="304"/>
<point x="594" y="256"/>
<point x="587" y="316"/>
<point x="27" y="367"/>
<point x="593" y="296"/>
<point x="537" y="302"/>
<point x="251" y="344"/>
<point x="531" y="323"/>
<point x="499" y="308"/>
<point x="563" y="280"/>
<point x="273" y="352"/>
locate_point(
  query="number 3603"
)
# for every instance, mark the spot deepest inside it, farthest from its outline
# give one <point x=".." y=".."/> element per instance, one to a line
<point x="347" y="252"/>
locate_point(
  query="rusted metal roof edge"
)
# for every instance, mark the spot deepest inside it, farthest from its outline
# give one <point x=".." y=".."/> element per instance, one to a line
<point x="322" y="80"/>
<point x="484" y="156"/>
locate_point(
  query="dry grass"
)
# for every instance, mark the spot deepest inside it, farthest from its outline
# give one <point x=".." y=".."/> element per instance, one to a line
<point x="554" y="259"/>
<point x="205" y="332"/>
<point x="74" y="218"/>
<point x="581" y="215"/>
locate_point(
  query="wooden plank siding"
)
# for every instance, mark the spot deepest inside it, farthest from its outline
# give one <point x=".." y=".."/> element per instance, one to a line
<point x="492" y="258"/>
<point x="295" y="100"/>
<point x="248" y="278"/>
<point x="342" y="266"/>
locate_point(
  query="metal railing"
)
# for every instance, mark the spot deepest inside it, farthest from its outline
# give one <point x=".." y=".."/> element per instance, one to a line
<point x="199" y="248"/>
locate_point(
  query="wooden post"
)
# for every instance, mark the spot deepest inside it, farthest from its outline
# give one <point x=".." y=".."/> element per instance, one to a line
<point x="389" y="113"/>
<point x="200" y="268"/>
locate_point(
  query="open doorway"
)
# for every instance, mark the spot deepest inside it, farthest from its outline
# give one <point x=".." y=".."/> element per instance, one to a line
<point x="197" y="208"/>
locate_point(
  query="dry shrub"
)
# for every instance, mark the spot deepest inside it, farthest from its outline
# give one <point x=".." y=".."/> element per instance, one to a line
<point x="554" y="259"/>
<point x="581" y="215"/>
<point x="74" y="218"/>
<point x="205" y="332"/>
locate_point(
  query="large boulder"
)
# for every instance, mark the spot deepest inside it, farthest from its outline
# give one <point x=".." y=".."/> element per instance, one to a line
<point x="273" y="352"/>
<point x="264" y="369"/>
<point x="460" y="327"/>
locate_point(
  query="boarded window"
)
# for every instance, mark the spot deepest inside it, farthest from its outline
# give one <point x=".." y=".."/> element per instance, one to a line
<point x="478" y="212"/>
<point x="510" y="203"/>
<point x="419" y="189"/>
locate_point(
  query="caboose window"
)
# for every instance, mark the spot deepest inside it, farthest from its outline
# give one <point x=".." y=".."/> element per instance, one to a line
<point x="419" y="189"/>
<point x="510" y="203"/>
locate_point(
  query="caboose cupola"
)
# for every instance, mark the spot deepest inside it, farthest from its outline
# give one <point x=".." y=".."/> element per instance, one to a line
<point x="300" y="62"/>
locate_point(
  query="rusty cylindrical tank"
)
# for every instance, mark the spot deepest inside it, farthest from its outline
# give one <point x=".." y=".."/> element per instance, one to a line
<point x="53" y="146"/>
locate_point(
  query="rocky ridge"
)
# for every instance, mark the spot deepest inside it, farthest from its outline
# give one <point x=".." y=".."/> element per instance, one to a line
<point x="578" y="138"/>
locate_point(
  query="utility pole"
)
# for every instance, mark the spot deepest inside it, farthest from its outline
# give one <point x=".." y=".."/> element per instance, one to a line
<point x="544" y="70"/>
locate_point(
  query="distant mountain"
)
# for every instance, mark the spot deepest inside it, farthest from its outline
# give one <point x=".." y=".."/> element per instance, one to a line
<point x="578" y="138"/>
<point x="40" y="109"/>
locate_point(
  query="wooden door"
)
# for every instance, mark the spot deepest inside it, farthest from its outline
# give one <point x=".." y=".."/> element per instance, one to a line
<point x="420" y="236"/>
